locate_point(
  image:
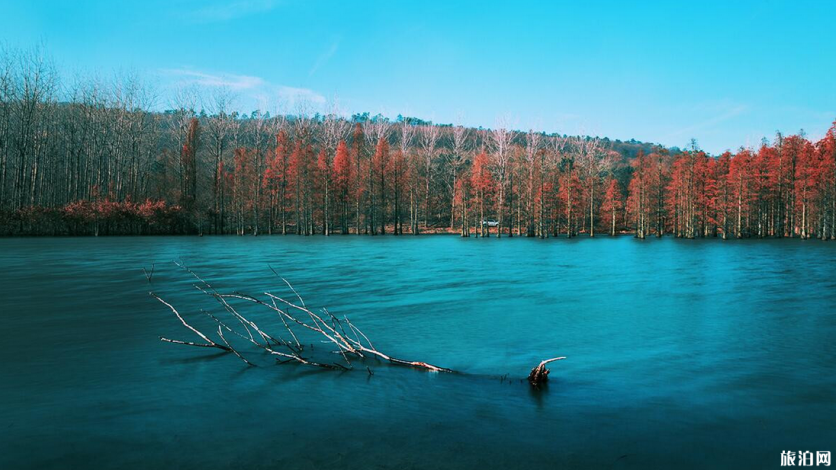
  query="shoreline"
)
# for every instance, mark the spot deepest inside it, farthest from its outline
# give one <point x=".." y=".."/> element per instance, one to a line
<point x="562" y="236"/>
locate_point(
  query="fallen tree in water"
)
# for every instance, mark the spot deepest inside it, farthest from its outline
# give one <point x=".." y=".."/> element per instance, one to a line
<point x="299" y="324"/>
<point x="540" y="375"/>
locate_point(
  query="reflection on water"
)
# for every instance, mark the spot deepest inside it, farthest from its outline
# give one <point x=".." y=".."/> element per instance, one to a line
<point x="680" y="354"/>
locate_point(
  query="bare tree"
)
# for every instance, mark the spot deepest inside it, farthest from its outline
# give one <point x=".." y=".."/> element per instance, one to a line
<point x="407" y="134"/>
<point x="551" y="160"/>
<point x="6" y="100"/>
<point x="593" y="160"/>
<point x="429" y="135"/>
<point x="532" y="147"/>
<point x="457" y="162"/>
<point x="259" y="121"/>
<point x="185" y="102"/>
<point x="501" y="139"/>
<point x="218" y="130"/>
<point x="334" y="128"/>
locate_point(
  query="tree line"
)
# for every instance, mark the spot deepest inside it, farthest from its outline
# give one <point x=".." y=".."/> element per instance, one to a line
<point x="94" y="158"/>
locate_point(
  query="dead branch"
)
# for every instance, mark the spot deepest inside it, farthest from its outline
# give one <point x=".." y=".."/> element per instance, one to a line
<point x="221" y="334"/>
<point x="209" y="343"/>
<point x="149" y="275"/>
<point x="346" y="339"/>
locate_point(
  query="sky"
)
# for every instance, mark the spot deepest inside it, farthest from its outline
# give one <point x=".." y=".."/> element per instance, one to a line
<point x="724" y="73"/>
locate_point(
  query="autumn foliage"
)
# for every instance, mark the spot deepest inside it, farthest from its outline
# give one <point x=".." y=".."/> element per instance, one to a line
<point x="306" y="175"/>
<point x="93" y="158"/>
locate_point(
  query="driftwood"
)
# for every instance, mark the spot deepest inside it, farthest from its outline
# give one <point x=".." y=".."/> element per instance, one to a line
<point x="540" y="375"/>
<point x="299" y="324"/>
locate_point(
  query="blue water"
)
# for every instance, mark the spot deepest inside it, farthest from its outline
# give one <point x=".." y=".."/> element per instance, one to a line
<point x="681" y="354"/>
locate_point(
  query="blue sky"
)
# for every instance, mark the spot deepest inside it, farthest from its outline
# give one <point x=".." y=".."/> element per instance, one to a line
<point x="725" y="73"/>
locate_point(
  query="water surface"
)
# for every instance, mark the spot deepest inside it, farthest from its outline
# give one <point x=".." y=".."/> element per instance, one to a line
<point x="681" y="354"/>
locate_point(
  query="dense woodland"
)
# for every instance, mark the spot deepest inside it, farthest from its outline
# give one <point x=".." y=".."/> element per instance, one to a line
<point x="93" y="158"/>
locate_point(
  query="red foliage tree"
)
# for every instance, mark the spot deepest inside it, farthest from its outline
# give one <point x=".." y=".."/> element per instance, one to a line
<point x="739" y="179"/>
<point x="322" y="189"/>
<point x="275" y="183"/>
<point x="612" y="204"/>
<point x="483" y="188"/>
<point x="639" y="194"/>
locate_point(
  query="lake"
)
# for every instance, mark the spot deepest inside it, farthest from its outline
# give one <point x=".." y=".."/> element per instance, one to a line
<point x="680" y="354"/>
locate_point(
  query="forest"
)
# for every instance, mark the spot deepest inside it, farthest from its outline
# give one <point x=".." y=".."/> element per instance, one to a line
<point x="95" y="158"/>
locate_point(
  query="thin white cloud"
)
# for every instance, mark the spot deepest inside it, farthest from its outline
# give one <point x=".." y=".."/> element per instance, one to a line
<point x="293" y="95"/>
<point x="711" y="122"/>
<point x="229" y="10"/>
<point x="253" y="91"/>
<point x="325" y="57"/>
<point x="203" y="79"/>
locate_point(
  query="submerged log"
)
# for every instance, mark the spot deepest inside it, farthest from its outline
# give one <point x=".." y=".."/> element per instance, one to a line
<point x="540" y="375"/>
